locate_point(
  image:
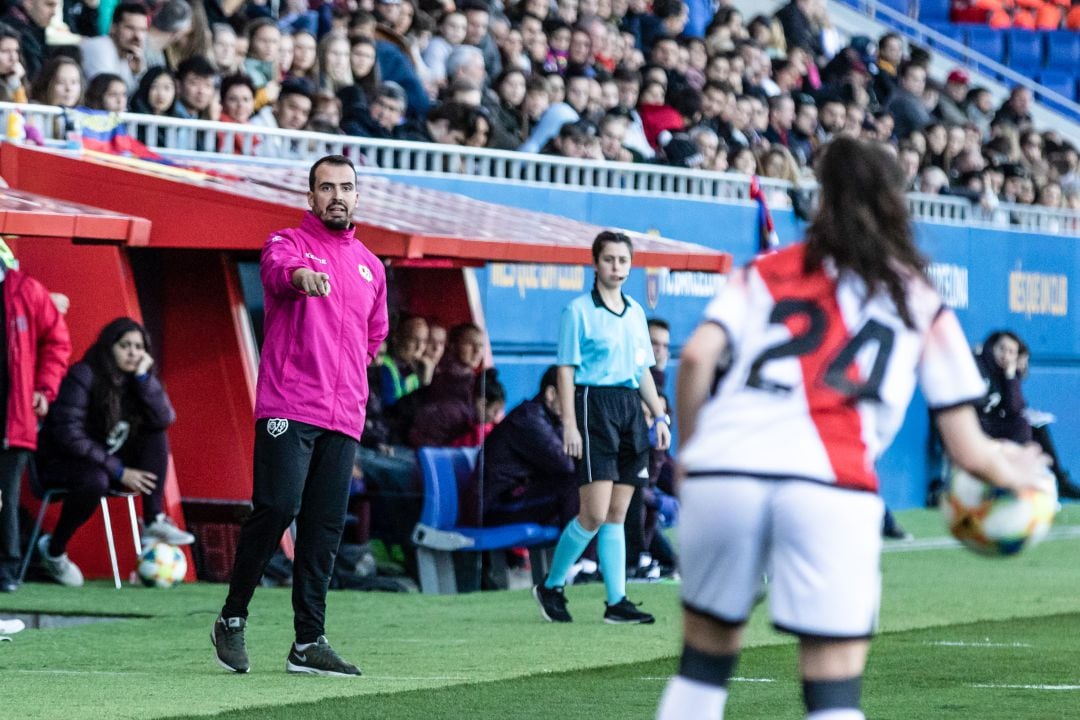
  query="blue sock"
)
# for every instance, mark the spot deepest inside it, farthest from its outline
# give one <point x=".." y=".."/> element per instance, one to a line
<point x="611" y="549"/>
<point x="572" y="543"/>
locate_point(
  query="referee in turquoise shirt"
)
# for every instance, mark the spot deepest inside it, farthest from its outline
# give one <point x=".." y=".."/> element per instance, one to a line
<point x="604" y="359"/>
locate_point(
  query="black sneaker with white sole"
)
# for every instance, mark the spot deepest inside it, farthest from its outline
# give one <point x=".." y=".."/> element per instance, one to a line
<point x="318" y="658"/>
<point x="625" y="612"/>
<point x="228" y="640"/>
<point x="552" y="604"/>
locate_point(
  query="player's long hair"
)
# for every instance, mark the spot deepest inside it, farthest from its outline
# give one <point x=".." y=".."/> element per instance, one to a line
<point x="862" y="222"/>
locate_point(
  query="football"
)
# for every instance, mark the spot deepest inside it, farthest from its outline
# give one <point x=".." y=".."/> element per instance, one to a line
<point x="992" y="521"/>
<point x="162" y="565"/>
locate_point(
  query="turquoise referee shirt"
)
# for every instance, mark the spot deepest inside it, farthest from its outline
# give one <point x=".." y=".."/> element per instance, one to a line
<point x="605" y="348"/>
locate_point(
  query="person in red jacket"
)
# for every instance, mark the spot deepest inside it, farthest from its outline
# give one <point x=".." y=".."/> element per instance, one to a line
<point x="38" y="347"/>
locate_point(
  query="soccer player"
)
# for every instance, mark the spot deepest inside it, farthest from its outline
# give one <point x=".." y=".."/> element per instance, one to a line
<point x="604" y="358"/>
<point x="325" y="319"/>
<point x="828" y="338"/>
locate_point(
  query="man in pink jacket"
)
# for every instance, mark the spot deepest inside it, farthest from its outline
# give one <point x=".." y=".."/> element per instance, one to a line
<point x="325" y="297"/>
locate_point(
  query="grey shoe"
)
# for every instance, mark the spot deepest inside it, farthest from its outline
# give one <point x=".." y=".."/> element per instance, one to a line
<point x="164" y="530"/>
<point x="227" y="638"/>
<point x="60" y="569"/>
<point x="319" y="659"/>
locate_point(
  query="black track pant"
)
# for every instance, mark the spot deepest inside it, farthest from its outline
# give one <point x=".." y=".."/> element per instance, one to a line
<point x="302" y="472"/>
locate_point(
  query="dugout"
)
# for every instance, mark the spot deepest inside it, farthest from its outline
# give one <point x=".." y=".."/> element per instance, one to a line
<point x="193" y="279"/>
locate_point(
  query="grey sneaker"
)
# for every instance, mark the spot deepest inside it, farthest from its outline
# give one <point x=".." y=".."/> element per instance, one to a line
<point x="227" y="637"/>
<point x="319" y="659"/>
<point x="164" y="530"/>
<point x="60" y="569"/>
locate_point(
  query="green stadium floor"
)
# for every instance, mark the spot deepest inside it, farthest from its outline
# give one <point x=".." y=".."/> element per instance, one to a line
<point x="961" y="637"/>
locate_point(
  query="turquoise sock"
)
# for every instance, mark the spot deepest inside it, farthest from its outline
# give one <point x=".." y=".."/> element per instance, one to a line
<point x="611" y="548"/>
<point x="572" y="543"/>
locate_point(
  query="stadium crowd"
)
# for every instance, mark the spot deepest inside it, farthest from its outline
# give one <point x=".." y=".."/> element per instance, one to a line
<point x="685" y="83"/>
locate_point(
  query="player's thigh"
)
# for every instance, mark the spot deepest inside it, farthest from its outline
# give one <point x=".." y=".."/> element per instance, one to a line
<point x="825" y="576"/>
<point x="723" y="534"/>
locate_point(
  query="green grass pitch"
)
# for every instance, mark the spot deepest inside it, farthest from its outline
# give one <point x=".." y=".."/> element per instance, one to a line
<point x="961" y="637"/>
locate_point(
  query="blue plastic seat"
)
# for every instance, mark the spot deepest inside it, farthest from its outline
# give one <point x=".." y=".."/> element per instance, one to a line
<point x="1063" y="50"/>
<point x="447" y="474"/>
<point x="1025" y="50"/>
<point x="1063" y="83"/>
<point x="933" y="11"/>
<point x="987" y="41"/>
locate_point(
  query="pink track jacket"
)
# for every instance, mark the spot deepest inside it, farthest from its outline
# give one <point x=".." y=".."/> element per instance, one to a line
<point x="316" y="349"/>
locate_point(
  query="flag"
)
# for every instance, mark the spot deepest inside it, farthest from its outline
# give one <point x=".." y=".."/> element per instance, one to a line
<point x="106" y="132"/>
<point x="768" y="240"/>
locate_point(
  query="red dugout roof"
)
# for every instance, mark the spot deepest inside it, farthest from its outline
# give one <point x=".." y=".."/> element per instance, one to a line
<point x="235" y="206"/>
<point x="24" y="213"/>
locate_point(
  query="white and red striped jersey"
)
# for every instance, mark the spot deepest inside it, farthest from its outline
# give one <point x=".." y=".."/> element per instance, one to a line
<point x="821" y="376"/>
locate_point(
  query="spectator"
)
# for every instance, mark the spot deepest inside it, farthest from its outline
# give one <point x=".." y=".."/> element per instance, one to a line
<point x="478" y="18"/>
<point x="433" y="351"/>
<point x="526" y="475"/>
<point x="261" y="63"/>
<point x="122" y="51"/>
<point x="507" y="114"/>
<point x="356" y="99"/>
<point x="334" y="63"/>
<point x="1017" y="108"/>
<point x="560" y="114"/>
<point x="197" y="98"/>
<point x="170" y="25"/>
<point x="292" y="109"/>
<point x="29" y="20"/>
<point x="612" y="131"/>
<point x="933" y="181"/>
<point x="455" y="420"/>
<point x="781" y="119"/>
<point x="1002" y="411"/>
<point x="12" y="72"/>
<point x="890" y="55"/>
<point x="951" y="104"/>
<point x="325" y="114"/>
<point x="35" y="362"/>
<point x="803" y="139"/>
<point x="399" y="373"/>
<point x="452" y="30"/>
<point x="156" y="96"/>
<point x="305" y="63"/>
<point x="798" y="30"/>
<point x="906" y="104"/>
<point x="59" y="83"/>
<point x="107" y="92"/>
<point x="384" y="118"/>
<point x="237" y="106"/>
<point x="224" y="46"/>
<point x="107" y="430"/>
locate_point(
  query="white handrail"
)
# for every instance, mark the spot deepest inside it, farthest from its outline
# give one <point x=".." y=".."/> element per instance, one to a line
<point x="185" y="139"/>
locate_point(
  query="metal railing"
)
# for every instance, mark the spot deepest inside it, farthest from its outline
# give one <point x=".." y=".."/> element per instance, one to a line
<point x="199" y="140"/>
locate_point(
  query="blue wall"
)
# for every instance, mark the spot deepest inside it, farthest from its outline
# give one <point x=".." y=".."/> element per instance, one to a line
<point x="993" y="278"/>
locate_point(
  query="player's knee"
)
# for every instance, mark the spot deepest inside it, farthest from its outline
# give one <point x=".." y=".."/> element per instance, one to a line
<point x="821" y="696"/>
<point x="590" y="521"/>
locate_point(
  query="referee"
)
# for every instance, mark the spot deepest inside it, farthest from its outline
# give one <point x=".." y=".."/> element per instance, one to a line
<point x="604" y="358"/>
<point x="325" y="319"/>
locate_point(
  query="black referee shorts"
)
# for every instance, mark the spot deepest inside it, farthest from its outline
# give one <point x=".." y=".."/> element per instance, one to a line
<point x="614" y="435"/>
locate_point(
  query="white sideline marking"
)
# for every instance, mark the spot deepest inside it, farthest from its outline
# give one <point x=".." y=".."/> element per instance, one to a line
<point x="987" y="644"/>
<point x="1068" y="532"/>
<point x="58" y="671"/>
<point x="995" y="686"/>
<point x="734" y="679"/>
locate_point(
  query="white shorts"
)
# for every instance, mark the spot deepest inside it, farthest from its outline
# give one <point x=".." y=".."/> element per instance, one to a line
<point x="819" y="545"/>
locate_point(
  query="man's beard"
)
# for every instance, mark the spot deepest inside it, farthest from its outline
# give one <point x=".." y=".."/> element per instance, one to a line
<point x="335" y="224"/>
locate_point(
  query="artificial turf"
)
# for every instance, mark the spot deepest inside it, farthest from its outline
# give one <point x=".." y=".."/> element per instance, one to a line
<point x="1002" y="622"/>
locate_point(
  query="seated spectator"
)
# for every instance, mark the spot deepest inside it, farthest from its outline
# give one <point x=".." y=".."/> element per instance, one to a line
<point x="1002" y="411"/>
<point x="357" y="98"/>
<point x="122" y="51"/>
<point x="261" y="63"/>
<point x="105" y="431"/>
<point x="29" y="19"/>
<point x="451" y="34"/>
<point x="399" y="372"/>
<point x="1016" y="110"/>
<point x="291" y="111"/>
<point x="454" y="420"/>
<point x="326" y="114"/>
<point x="384" y="117"/>
<point x="170" y="26"/>
<point x="906" y="103"/>
<point x="742" y="160"/>
<point x="237" y="106"/>
<point x="106" y="92"/>
<point x="334" y="65"/>
<point x="560" y="114"/>
<point x="305" y="62"/>
<point x="60" y="84"/>
<point x="196" y="92"/>
<point x="507" y="114"/>
<point x="527" y="477"/>
<point x="433" y="351"/>
<point x="12" y="72"/>
<point x="224" y="45"/>
<point x="156" y="96"/>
